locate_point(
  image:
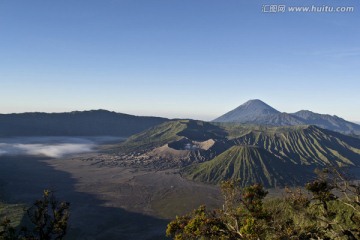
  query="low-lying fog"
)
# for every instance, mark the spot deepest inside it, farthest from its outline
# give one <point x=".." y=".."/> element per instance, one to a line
<point x="55" y="147"/>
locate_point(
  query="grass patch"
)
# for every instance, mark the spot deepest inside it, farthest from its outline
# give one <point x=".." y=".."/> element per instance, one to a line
<point x="14" y="212"/>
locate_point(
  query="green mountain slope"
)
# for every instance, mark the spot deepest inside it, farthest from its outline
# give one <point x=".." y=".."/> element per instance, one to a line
<point x="154" y="137"/>
<point x="306" y="145"/>
<point x="278" y="155"/>
<point x="249" y="164"/>
<point x="172" y="131"/>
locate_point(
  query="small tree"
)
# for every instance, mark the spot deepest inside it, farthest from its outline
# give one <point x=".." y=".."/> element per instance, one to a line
<point x="48" y="216"/>
<point x="242" y="216"/>
<point x="333" y="195"/>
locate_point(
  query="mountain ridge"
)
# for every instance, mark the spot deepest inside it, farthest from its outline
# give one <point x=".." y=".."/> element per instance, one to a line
<point x="249" y="113"/>
<point x="75" y="123"/>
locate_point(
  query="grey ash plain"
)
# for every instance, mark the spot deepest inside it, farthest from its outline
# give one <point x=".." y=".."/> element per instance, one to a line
<point x="107" y="202"/>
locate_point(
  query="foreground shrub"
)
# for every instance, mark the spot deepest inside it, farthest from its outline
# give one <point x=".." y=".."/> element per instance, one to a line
<point x="48" y="220"/>
<point x="328" y="208"/>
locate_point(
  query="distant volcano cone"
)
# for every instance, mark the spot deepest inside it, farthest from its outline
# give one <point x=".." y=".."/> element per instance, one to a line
<point x="247" y="112"/>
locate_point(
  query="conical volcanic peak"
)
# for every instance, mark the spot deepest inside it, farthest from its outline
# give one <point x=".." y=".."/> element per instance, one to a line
<point x="248" y="112"/>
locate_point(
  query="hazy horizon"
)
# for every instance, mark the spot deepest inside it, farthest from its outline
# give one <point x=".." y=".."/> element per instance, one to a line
<point x="209" y="118"/>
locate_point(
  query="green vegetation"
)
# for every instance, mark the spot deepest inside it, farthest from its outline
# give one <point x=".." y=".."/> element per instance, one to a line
<point x="15" y="212"/>
<point x="47" y="217"/>
<point x="330" y="209"/>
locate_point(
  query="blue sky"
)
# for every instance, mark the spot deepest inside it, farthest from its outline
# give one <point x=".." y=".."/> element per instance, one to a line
<point x="177" y="58"/>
